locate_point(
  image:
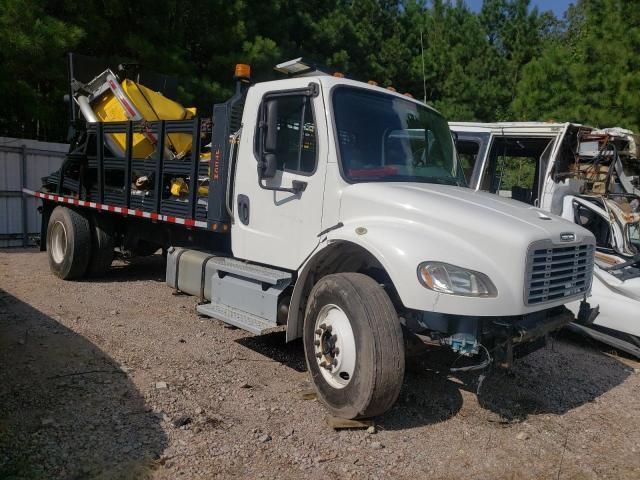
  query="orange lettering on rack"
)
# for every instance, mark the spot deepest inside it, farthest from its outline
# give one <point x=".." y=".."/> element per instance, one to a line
<point x="216" y="165"/>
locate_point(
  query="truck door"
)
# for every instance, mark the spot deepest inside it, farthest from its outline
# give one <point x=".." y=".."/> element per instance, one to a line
<point x="471" y="147"/>
<point x="547" y="184"/>
<point x="273" y="226"/>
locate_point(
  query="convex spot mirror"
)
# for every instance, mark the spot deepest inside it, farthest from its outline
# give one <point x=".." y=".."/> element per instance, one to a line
<point x="268" y="163"/>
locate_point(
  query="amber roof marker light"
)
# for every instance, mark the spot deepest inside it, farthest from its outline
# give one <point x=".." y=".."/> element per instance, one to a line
<point x="242" y="71"/>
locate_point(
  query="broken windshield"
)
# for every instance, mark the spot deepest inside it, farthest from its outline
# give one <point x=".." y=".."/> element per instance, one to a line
<point x="634" y="235"/>
<point x="385" y="138"/>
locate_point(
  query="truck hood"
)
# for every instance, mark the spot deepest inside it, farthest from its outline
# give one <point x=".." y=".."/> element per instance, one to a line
<point x="405" y="224"/>
<point x="457" y="209"/>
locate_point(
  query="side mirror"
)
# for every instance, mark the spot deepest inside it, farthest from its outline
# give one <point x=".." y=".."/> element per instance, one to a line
<point x="268" y="166"/>
<point x="268" y="163"/>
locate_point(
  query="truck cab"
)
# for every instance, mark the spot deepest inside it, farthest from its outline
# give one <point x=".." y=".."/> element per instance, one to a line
<point x="589" y="176"/>
<point x="336" y="210"/>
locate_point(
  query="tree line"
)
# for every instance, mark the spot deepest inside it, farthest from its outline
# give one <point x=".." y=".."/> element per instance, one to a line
<point x="508" y="61"/>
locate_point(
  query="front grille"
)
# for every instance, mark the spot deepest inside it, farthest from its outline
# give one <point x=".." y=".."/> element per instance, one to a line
<point x="555" y="272"/>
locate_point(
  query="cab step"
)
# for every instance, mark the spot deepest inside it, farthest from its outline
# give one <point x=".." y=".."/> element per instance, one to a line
<point x="241" y="294"/>
<point x="237" y="318"/>
<point x="250" y="270"/>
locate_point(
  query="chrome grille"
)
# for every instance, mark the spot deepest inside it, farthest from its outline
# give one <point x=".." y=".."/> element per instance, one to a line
<point x="555" y="272"/>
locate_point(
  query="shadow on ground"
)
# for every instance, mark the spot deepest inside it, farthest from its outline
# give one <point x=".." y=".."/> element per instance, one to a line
<point x="274" y="346"/>
<point x="562" y="376"/>
<point x="66" y="409"/>
<point x="135" y="269"/>
<point x="555" y="379"/>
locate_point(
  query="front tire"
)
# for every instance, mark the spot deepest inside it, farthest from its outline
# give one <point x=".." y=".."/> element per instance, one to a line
<point x="353" y="345"/>
<point x="68" y="243"/>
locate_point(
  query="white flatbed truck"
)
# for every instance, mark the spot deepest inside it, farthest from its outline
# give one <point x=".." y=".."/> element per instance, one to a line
<point x="314" y="220"/>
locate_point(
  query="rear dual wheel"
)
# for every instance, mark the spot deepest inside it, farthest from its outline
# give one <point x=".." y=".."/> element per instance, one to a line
<point x="68" y="243"/>
<point x="78" y="245"/>
<point x="102" y="244"/>
<point x="353" y="345"/>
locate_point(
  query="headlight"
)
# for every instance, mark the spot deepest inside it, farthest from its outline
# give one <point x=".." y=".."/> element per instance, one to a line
<point x="445" y="278"/>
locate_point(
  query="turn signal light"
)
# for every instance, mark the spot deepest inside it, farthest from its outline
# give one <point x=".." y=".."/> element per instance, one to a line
<point x="243" y="71"/>
<point x="408" y="95"/>
<point x="373" y="82"/>
<point x="391" y="89"/>
<point x="338" y="74"/>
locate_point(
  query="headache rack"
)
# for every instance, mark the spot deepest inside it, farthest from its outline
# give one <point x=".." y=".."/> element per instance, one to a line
<point x="556" y="271"/>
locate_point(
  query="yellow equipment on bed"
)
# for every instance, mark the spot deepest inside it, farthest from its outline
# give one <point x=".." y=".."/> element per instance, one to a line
<point x="115" y="101"/>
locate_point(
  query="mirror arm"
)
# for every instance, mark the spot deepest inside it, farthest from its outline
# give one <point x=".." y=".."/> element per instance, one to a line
<point x="297" y="187"/>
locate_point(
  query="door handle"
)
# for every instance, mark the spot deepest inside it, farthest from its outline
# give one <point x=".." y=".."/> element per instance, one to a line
<point x="243" y="209"/>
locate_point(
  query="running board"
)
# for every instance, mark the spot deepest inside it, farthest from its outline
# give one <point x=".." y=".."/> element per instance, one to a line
<point x="250" y="270"/>
<point x="242" y="294"/>
<point x="237" y="318"/>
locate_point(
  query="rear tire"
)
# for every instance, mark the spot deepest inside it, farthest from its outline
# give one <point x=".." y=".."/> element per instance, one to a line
<point x="68" y="243"/>
<point x="353" y="345"/>
<point x="102" y="244"/>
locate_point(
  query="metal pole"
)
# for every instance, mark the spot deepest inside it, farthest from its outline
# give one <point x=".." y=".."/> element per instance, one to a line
<point x="23" y="181"/>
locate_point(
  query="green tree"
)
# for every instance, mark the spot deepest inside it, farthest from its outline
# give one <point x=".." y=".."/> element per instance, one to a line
<point x="590" y="73"/>
<point x="32" y="81"/>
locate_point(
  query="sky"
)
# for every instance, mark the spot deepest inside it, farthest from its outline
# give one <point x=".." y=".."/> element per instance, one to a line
<point x="557" y="6"/>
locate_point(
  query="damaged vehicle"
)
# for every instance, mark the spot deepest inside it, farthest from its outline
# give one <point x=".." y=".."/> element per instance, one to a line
<point x="587" y="175"/>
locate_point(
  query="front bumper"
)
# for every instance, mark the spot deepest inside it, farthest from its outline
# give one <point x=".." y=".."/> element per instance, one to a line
<point x="506" y="338"/>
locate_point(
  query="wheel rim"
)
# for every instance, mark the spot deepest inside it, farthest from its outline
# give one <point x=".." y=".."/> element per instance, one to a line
<point x="334" y="346"/>
<point x="58" y="242"/>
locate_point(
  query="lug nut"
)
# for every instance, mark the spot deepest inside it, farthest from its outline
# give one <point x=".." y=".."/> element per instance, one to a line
<point x="329" y="328"/>
<point x="323" y="326"/>
<point x="316" y="343"/>
<point x="334" y="338"/>
<point x="336" y="351"/>
<point x="318" y="332"/>
<point x="318" y="355"/>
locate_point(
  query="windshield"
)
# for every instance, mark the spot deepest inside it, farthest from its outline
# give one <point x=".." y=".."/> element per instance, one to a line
<point x="385" y="138"/>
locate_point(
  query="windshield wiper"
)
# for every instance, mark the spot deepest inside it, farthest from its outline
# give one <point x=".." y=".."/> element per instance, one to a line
<point x="442" y="181"/>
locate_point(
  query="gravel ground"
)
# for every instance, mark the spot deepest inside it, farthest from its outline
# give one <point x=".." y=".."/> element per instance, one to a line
<point x="118" y="378"/>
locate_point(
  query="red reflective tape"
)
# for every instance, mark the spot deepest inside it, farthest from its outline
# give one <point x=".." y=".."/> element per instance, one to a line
<point x="188" y="222"/>
<point x="128" y="108"/>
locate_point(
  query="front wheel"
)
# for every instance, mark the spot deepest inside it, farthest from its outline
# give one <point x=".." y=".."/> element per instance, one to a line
<point x="353" y="345"/>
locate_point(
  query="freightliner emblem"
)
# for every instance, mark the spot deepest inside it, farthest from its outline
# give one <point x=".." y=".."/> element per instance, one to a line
<point x="567" y="237"/>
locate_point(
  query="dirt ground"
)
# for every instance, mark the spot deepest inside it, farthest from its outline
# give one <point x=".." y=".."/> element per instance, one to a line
<point x="118" y="378"/>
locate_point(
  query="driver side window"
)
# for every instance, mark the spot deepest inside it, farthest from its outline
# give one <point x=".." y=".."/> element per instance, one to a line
<point x="296" y="135"/>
